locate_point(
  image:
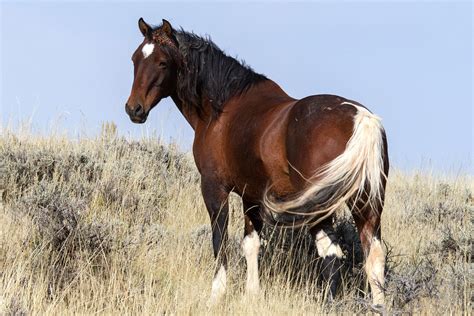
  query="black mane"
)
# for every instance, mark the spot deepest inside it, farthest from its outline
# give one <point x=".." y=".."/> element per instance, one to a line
<point x="206" y="71"/>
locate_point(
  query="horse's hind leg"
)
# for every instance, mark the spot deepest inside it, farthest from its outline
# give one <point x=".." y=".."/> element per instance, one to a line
<point x="367" y="219"/>
<point x="331" y="253"/>
<point x="251" y="246"/>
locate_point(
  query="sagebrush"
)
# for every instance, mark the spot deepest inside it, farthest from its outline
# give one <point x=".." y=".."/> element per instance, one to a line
<point x="110" y="225"/>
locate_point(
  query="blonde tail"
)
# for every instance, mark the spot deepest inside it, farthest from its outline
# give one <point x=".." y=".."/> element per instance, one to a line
<point x="357" y="172"/>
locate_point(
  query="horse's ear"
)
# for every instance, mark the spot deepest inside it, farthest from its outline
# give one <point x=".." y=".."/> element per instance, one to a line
<point x="167" y="28"/>
<point x="144" y="28"/>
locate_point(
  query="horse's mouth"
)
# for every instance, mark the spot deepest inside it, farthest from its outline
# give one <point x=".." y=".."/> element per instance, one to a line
<point x="138" y="119"/>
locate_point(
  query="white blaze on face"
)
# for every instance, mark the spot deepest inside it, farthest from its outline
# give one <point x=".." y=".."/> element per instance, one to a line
<point x="251" y="247"/>
<point x="147" y="49"/>
<point x="326" y="247"/>
<point x="218" y="286"/>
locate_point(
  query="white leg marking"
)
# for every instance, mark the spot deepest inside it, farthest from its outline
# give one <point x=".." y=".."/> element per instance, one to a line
<point x="250" y="247"/>
<point x="374" y="268"/>
<point x="147" y="49"/>
<point x="326" y="247"/>
<point x="218" y="286"/>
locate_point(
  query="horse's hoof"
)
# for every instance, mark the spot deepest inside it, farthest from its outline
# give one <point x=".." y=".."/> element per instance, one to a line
<point x="215" y="299"/>
<point x="330" y="300"/>
<point x="379" y="309"/>
<point x="252" y="290"/>
<point x="212" y="302"/>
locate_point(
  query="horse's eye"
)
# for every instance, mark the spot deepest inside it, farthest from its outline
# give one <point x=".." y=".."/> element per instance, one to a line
<point x="162" y="64"/>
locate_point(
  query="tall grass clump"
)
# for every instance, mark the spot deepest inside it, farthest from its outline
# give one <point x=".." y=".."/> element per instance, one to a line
<point x="109" y="225"/>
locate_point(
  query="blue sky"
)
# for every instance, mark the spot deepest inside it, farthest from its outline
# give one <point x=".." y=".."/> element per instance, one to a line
<point x="67" y="64"/>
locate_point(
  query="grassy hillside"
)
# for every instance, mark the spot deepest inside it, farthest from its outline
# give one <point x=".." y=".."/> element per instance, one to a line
<point x="112" y="226"/>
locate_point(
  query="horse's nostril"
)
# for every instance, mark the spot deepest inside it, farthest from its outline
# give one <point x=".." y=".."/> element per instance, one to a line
<point x="138" y="110"/>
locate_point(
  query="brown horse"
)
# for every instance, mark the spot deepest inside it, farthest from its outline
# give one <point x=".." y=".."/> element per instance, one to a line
<point x="293" y="162"/>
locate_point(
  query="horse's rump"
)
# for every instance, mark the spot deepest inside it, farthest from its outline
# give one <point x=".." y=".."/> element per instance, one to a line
<point x="335" y="150"/>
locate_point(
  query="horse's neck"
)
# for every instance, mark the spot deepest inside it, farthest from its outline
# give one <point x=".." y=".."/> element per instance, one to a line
<point x="263" y="90"/>
<point x="190" y="113"/>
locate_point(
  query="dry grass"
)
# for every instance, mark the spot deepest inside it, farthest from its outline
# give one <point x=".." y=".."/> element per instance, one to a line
<point x="112" y="226"/>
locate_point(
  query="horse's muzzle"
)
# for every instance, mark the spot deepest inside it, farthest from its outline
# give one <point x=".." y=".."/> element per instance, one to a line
<point x="137" y="114"/>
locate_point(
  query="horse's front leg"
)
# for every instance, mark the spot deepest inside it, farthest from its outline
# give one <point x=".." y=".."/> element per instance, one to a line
<point x="216" y="199"/>
<point x="251" y="245"/>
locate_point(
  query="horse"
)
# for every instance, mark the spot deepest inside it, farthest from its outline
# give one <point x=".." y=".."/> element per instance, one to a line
<point x="293" y="162"/>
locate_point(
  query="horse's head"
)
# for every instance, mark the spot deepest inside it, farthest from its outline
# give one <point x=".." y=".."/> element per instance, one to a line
<point x="155" y="70"/>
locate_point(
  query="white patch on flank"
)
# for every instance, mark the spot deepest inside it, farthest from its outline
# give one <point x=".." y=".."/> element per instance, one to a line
<point x="326" y="247"/>
<point x="374" y="268"/>
<point x="147" y="49"/>
<point x="251" y="247"/>
<point x="218" y="286"/>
